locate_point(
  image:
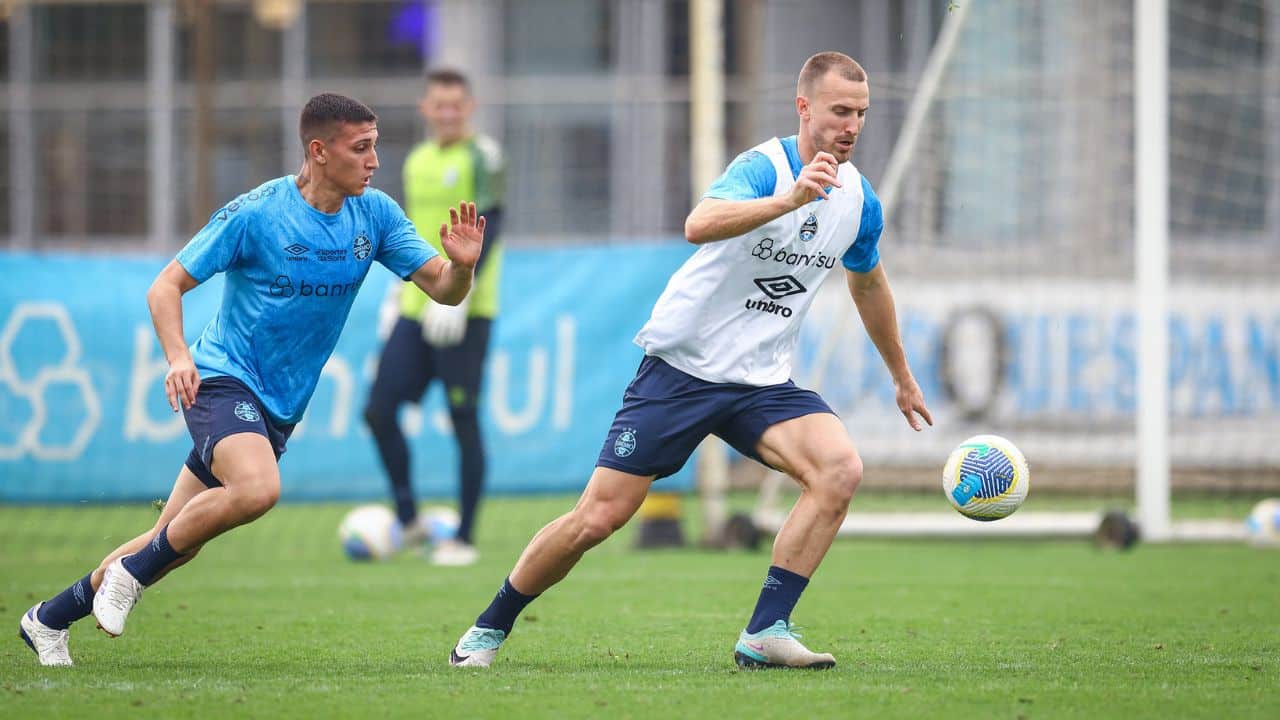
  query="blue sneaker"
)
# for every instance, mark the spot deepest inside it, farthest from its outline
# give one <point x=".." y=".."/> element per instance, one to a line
<point x="778" y="646"/>
<point x="477" y="647"/>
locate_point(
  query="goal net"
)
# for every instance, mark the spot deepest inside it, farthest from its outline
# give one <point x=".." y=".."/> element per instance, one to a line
<point x="1010" y="210"/>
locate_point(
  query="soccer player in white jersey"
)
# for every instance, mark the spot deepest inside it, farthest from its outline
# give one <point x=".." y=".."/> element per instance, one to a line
<point x="718" y="351"/>
<point x="295" y="251"/>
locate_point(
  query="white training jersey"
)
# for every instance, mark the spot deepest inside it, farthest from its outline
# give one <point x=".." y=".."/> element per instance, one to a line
<point x="732" y="312"/>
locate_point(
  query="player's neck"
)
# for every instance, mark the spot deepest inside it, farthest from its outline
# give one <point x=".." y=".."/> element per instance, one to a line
<point x="805" y="146"/>
<point x="450" y="142"/>
<point x="319" y="194"/>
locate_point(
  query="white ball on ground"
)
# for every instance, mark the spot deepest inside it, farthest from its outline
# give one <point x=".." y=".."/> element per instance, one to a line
<point x="441" y="522"/>
<point x="370" y="532"/>
<point x="1262" y="527"/>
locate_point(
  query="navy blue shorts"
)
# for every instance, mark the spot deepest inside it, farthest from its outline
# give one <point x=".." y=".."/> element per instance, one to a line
<point x="666" y="413"/>
<point x="225" y="406"/>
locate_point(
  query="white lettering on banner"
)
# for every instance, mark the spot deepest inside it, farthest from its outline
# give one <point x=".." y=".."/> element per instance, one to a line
<point x="146" y="376"/>
<point x="412" y="418"/>
<point x="566" y="330"/>
<point x="344" y="388"/>
<point x="148" y="368"/>
<point x="516" y="422"/>
<point x="64" y="371"/>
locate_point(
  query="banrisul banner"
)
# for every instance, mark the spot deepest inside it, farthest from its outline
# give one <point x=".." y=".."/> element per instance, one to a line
<point x="1052" y="365"/>
<point x="83" y="415"/>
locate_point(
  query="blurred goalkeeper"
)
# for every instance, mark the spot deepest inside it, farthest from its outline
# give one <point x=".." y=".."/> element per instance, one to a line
<point x="428" y="340"/>
<point x="718" y="350"/>
<point x="295" y="251"/>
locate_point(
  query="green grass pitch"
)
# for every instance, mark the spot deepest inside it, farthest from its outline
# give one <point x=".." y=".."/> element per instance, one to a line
<point x="272" y="621"/>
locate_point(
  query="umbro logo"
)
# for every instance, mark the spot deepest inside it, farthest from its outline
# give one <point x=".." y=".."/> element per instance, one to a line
<point x="780" y="286"/>
<point x="296" y="249"/>
<point x="771" y="583"/>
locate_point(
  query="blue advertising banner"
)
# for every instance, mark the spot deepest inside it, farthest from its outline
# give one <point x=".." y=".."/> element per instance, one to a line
<point x="83" y="415"/>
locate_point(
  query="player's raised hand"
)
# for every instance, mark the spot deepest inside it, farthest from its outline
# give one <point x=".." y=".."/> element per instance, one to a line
<point x="181" y="383"/>
<point x="911" y="403"/>
<point x="816" y="179"/>
<point x="463" y="237"/>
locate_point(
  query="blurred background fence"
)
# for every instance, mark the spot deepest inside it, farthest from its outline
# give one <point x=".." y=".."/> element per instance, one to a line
<point x="1011" y="239"/>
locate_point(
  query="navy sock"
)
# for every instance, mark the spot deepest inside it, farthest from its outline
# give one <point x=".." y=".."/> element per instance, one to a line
<point x="68" y="606"/>
<point x="148" y="562"/>
<point x="507" y="604"/>
<point x="778" y="598"/>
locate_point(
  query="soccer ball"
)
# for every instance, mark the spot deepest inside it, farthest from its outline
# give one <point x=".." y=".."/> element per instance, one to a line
<point x="440" y="522"/>
<point x="986" y="478"/>
<point x="1263" y="525"/>
<point x="370" y="532"/>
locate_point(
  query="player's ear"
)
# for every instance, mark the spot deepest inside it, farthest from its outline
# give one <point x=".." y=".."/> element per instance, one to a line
<point x="316" y="151"/>
<point x="802" y="107"/>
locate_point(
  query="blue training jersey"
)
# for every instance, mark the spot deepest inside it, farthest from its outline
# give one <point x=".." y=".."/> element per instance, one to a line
<point x="751" y="175"/>
<point x="292" y="275"/>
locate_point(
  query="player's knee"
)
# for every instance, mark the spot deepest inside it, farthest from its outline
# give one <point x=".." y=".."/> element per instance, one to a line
<point x="595" y="525"/>
<point x="465" y="421"/>
<point x="840" y="478"/>
<point x="592" y="531"/>
<point x="377" y="417"/>
<point x="254" y="499"/>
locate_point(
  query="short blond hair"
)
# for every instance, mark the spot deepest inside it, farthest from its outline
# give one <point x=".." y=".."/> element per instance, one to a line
<point x="816" y="67"/>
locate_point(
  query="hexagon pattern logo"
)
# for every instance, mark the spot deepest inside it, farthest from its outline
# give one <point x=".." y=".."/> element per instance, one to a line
<point x="62" y="370"/>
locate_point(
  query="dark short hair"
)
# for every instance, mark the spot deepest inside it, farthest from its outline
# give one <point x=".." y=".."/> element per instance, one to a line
<point x="816" y="67"/>
<point x="448" y="76"/>
<point x="324" y="112"/>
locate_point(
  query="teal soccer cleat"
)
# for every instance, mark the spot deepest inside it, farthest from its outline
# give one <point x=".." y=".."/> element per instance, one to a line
<point x="778" y="646"/>
<point x="477" y="647"/>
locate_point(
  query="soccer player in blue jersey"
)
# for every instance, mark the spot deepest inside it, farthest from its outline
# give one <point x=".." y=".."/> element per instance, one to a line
<point x="295" y="251"/>
<point x="718" y="351"/>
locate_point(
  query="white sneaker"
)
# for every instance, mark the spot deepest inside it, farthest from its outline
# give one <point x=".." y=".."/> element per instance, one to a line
<point x="50" y="645"/>
<point x="778" y="646"/>
<point x="117" y="595"/>
<point x="454" y="553"/>
<point x="477" y="647"/>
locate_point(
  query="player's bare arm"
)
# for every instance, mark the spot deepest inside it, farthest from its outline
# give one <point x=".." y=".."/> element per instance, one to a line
<point x="874" y="298"/>
<point x="448" y="281"/>
<point x="164" y="299"/>
<point x="715" y="219"/>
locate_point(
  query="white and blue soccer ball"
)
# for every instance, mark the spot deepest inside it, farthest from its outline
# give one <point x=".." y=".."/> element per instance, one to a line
<point x="440" y="522"/>
<point x="1262" y="527"/>
<point x="986" y="478"/>
<point x="370" y="532"/>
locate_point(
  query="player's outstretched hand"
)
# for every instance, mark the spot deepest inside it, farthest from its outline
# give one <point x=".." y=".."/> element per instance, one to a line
<point x="181" y="383"/>
<point x="816" y="179"/>
<point x="911" y="403"/>
<point x="463" y="237"/>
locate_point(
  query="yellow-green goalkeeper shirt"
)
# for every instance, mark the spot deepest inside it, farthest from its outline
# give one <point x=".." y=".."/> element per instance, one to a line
<point x="437" y="178"/>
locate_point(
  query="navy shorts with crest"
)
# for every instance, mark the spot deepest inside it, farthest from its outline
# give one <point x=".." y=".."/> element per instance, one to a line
<point x="225" y="406"/>
<point x="666" y="413"/>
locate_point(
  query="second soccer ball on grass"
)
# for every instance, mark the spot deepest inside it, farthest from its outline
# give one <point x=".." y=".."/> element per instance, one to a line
<point x="370" y="532"/>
